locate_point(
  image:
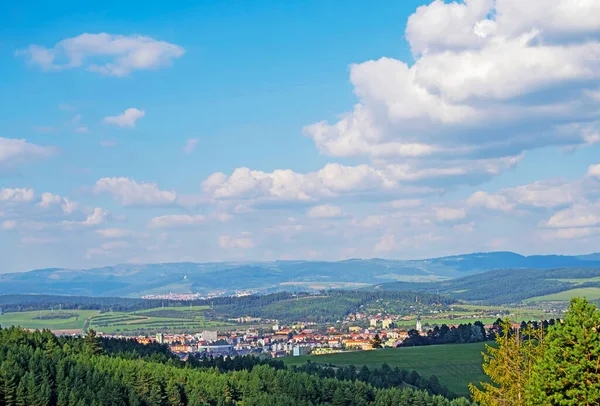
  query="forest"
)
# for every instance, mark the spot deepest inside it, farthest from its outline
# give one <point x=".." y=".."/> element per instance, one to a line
<point x="38" y="368"/>
<point x="325" y="306"/>
<point x="506" y="286"/>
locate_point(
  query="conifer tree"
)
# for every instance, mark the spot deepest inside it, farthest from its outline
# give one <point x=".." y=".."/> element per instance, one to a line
<point x="568" y="373"/>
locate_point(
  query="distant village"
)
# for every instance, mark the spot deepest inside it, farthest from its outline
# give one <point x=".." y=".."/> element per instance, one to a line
<point x="297" y="339"/>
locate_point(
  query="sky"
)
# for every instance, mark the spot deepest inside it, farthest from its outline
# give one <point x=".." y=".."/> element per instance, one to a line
<point x="265" y="130"/>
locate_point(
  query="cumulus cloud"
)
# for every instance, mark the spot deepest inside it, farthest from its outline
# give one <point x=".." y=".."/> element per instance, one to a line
<point x="386" y="243"/>
<point x="14" y="152"/>
<point x="242" y="242"/>
<point x="113" y="55"/>
<point x="579" y="215"/>
<point x="176" y="221"/>
<point x="325" y="211"/>
<point x="594" y="171"/>
<point x="541" y="194"/>
<point x="285" y="184"/>
<point x="17" y="194"/>
<point x="461" y="102"/>
<point x="190" y="145"/>
<point x="131" y="193"/>
<point x="128" y="118"/>
<point x="97" y="217"/>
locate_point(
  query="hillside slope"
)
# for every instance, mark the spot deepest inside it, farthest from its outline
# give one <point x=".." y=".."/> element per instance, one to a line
<point x="229" y="277"/>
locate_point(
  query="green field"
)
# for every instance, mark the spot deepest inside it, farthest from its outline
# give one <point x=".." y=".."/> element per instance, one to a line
<point x="454" y="364"/>
<point x="589" y="293"/>
<point x="148" y="321"/>
<point x="52" y="320"/>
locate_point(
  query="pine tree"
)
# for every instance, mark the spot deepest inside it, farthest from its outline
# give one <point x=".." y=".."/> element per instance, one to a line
<point x="91" y="343"/>
<point x="568" y="373"/>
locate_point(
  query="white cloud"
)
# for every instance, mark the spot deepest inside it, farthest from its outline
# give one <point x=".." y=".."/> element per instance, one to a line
<point x="190" y="145"/>
<point x="128" y="118"/>
<point x="244" y="242"/>
<point x="15" y="152"/>
<point x="572" y="233"/>
<point x="449" y="213"/>
<point x="69" y="206"/>
<point x="325" y="211"/>
<point x="131" y="193"/>
<point x="594" y="170"/>
<point x="8" y="225"/>
<point x="17" y="194"/>
<point x="113" y="233"/>
<point x="285" y="184"/>
<point x="579" y="215"/>
<point x="386" y="243"/>
<point x="461" y="102"/>
<point x="176" y="221"/>
<point x="541" y="194"/>
<point x="82" y="130"/>
<point x="97" y="217"/>
<point x="490" y="201"/>
<point x="114" y="55"/>
<point x="49" y="199"/>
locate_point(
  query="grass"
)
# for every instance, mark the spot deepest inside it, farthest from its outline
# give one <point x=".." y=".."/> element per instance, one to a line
<point x="31" y="319"/>
<point x="589" y="293"/>
<point x="454" y="364"/>
<point x="168" y="319"/>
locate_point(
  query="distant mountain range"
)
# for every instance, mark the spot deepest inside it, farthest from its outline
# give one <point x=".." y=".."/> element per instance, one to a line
<point x="135" y="280"/>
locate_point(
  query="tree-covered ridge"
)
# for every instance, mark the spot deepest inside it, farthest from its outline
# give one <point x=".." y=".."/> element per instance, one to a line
<point x="506" y="286"/>
<point x="325" y="306"/>
<point x="37" y="368"/>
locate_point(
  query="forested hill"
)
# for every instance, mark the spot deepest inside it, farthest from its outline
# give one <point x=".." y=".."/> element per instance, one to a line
<point x="135" y="280"/>
<point x="41" y="369"/>
<point x="510" y="286"/>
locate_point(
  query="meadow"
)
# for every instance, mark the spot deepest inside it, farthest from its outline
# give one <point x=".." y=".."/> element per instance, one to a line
<point x="589" y="293"/>
<point x="149" y="321"/>
<point x="55" y="320"/>
<point x="454" y="364"/>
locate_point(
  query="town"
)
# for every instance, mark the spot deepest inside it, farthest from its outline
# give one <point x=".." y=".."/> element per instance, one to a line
<point x="296" y="339"/>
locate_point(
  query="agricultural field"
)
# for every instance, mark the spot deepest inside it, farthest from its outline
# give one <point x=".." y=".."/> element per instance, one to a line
<point x="67" y="320"/>
<point x="149" y="321"/>
<point x="456" y="365"/>
<point x="589" y="293"/>
<point x="471" y="313"/>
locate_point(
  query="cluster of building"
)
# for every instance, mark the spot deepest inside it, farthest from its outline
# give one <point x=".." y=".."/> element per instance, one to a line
<point x="281" y="341"/>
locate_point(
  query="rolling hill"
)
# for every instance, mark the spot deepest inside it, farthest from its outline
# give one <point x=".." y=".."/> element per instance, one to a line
<point x="513" y="286"/>
<point x="134" y="280"/>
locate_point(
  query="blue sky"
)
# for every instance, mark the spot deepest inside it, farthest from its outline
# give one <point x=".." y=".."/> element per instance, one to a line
<point x="190" y="131"/>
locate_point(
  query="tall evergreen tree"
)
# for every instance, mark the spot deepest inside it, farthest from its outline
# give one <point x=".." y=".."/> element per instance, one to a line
<point x="568" y="373"/>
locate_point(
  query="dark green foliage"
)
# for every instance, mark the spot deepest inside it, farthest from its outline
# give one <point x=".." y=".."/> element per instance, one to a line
<point x="568" y="372"/>
<point x="327" y="306"/>
<point x="505" y="286"/>
<point x="28" y="376"/>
